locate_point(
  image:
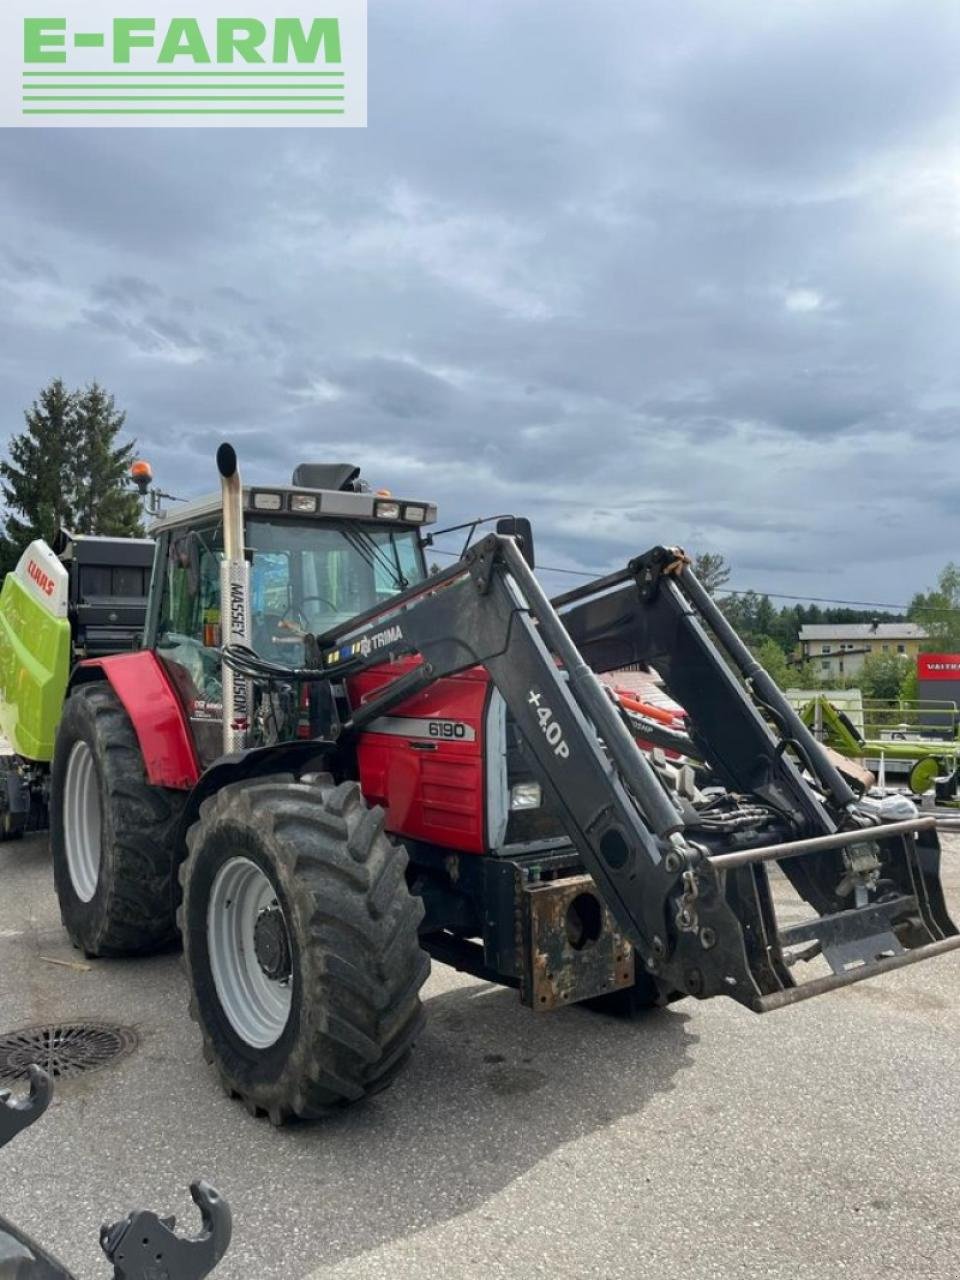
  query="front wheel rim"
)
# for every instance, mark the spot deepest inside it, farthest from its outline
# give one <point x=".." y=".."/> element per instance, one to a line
<point x="82" y="820"/>
<point x="256" y="1005"/>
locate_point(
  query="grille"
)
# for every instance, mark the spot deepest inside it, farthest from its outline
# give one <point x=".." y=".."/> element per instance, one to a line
<point x="64" y="1049"/>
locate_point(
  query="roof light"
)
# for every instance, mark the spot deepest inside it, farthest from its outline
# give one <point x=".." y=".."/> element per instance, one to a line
<point x="414" y="513"/>
<point x="303" y="502"/>
<point x="383" y="493"/>
<point x="267" y="501"/>
<point x="387" y="510"/>
<point x="141" y="474"/>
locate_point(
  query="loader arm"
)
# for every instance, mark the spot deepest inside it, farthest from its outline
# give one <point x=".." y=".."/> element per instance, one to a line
<point x="696" y="905"/>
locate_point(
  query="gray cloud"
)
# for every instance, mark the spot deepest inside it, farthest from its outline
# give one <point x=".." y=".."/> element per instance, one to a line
<point x="686" y="278"/>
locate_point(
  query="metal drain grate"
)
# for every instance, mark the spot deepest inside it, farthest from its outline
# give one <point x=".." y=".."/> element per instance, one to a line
<point x="64" y="1049"/>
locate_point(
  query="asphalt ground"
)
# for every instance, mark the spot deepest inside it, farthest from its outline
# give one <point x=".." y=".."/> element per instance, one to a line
<point x="701" y="1141"/>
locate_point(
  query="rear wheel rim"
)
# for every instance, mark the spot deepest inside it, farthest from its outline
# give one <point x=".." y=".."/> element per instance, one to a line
<point x="256" y="1005"/>
<point x="82" y="820"/>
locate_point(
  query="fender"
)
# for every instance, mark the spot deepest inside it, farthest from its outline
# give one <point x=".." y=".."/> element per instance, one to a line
<point x="311" y="755"/>
<point x="149" y="699"/>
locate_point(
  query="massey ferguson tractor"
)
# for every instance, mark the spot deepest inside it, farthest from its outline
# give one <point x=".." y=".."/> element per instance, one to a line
<point x="325" y="766"/>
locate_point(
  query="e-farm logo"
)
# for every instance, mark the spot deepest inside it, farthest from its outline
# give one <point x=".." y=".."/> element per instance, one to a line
<point x="182" y="63"/>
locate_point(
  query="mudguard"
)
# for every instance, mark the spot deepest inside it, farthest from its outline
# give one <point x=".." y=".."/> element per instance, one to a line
<point x="150" y="700"/>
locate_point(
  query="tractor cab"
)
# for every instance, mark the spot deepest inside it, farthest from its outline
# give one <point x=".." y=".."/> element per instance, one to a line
<point x="317" y="557"/>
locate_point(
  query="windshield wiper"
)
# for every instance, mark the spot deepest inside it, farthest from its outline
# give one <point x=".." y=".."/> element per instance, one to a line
<point x="402" y="580"/>
<point x="373" y="554"/>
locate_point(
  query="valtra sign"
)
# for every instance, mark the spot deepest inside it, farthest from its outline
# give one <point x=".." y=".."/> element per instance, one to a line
<point x="938" y="666"/>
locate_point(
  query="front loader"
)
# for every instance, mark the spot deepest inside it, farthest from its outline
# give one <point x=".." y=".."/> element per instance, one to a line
<point x="326" y="766"/>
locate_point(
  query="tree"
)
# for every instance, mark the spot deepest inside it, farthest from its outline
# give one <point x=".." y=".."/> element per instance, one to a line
<point x="102" y="501"/>
<point x="910" y="686"/>
<point x="66" y="470"/>
<point x="765" y="618"/>
<point x="938" y="611"/>
<point x="712" y="570"/>
<point x="882" y="675"/>
<point x="35" y="480"/>
<point x="771" y="656"/>
<point x="741" y="612"/>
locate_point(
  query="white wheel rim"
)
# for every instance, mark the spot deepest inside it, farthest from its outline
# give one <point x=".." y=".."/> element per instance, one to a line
<point x="82" y="825"/>
<point x="256" y="1006"/>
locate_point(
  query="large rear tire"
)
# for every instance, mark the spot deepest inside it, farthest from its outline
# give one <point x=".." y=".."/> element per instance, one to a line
<point x="301" y="945"/>
<point x="112" y="834"/>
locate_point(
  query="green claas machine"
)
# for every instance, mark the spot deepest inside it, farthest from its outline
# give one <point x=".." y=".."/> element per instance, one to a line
<point x="84" y="598"/>
<point x="934" y="760"/>
<point x="323" y="767"/>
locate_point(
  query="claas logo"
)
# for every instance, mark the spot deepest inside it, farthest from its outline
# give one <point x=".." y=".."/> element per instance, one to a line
<point x="43" y="580"/>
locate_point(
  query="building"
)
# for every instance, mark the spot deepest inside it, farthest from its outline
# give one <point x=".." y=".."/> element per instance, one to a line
<point x="839" y="649"/>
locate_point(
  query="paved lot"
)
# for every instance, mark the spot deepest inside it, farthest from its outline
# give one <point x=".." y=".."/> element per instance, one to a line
<point x="704" y="1141"/>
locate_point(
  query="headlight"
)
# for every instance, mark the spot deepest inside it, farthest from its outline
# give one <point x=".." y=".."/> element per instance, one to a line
<point x="387" y="510"/>
<point x="303" y="502"/>
<point x="526" y="795"/>
<point x="415" y="514"/>
<point x="267" y="501"/>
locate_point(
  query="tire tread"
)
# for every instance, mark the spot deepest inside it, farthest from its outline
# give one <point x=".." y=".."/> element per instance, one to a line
<point x="361" y="962"/>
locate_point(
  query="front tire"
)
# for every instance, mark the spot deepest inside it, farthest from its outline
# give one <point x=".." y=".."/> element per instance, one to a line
<point x="112" y="833"/>
<point x="301" y="945"/>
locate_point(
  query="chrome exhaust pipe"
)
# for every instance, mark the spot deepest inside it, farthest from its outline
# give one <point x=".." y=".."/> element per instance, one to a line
<point x="234" y="601"/>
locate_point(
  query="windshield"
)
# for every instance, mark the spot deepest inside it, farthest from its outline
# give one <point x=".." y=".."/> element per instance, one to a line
<point x="305" y="577"/>
<point x="314" y="577"/>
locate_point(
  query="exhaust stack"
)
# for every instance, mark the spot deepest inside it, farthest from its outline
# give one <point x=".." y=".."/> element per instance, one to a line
<point x="234" y="600"/>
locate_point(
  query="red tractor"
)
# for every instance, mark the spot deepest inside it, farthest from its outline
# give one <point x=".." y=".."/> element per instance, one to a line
<point x="326" y="765"/>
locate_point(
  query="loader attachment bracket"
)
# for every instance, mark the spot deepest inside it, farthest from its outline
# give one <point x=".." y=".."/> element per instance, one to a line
<point x="145" y="1247"/>
<point x="655" y="564"/>
<point x="141" y="1247"/>
<point x="15" y="1116"/>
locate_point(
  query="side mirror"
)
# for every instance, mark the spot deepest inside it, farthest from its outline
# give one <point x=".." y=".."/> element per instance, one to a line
<point x="519" y="527"/>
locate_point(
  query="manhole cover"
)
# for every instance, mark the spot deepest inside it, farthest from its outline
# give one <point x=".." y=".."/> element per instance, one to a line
<point x="64" y="1049"/>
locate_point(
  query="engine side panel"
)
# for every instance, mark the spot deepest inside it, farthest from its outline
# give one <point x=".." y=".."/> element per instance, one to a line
<point x="35" y="651"/>
<point x="140" y="682"/>
<point x="425" y="761"/>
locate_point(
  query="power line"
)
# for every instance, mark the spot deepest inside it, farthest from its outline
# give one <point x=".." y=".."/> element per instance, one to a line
<point x="862" y="604"/>
<point x="779" y="595"/>
<point x="748" y="591"/>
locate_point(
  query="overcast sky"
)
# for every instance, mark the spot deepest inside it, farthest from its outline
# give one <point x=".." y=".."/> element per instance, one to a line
<point x="646" y="271"/>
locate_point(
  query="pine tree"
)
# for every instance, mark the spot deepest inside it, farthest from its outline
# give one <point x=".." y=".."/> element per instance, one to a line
<point x="36" y="480"/>
<point x="712" y="570"/>
<point x="103" y="502"/>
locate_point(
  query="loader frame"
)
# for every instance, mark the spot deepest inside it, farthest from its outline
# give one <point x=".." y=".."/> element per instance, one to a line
<point x="699" y="915"/>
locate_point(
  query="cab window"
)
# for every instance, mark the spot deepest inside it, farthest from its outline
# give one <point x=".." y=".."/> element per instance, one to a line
<point x="308" y="577"/>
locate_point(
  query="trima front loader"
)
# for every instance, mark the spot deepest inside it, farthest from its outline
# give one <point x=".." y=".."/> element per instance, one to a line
<point x="326" y="766"/>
